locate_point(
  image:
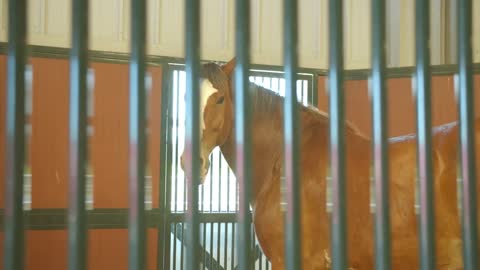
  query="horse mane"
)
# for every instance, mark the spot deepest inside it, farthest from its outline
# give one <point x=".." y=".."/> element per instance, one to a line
<point x="266" y="100"/>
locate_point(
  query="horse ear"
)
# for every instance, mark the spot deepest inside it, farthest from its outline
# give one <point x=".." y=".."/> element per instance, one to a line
<point x="229" y="67"/>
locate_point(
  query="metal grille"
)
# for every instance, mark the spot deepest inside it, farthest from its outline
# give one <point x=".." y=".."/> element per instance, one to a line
<point x="218" y="196"/>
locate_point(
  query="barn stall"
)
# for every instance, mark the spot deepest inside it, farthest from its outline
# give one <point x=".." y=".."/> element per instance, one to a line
<point x="46" y="163"/>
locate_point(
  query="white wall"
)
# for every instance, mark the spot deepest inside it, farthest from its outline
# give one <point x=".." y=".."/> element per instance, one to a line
<point x="49" y="25"/>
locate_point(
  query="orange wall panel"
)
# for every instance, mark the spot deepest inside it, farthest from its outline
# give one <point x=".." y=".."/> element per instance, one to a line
<point x="49" y="159"/>
<point x="108" y="249"/>
<point x="109" y="143"/>
<point x="49" y="146"/>
<point x="401" y="103"/>
<point x="152" y="236"/>
<point x="154" y="123"/>
<point x="46" y="250"/>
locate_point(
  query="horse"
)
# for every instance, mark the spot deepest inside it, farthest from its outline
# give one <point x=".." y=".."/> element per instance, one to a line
<point x="217" y="130"/>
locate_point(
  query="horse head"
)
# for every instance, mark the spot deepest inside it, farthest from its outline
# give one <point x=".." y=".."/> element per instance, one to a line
<point x="216" y="111"/>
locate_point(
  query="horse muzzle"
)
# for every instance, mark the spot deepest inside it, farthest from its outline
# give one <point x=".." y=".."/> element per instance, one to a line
<point x="204" y="167"/>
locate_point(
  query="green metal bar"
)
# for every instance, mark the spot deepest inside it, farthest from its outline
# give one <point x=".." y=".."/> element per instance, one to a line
<point x="337" y="140"/>
<point x="242" y="131"/>
<point x="424" y="127"/>
<point x="380" y="137"/>
<point x="293" y="230"/>
<point x="192" y="140"/>
<point x="163" y="239"/>
<point x="313" y="89"/>
<point x="77" y="233"/>
<point x="15" y="135"/>
<point x="137" y="137"/>
<point x="466" y="107"/>
<point x="176" y="177"/>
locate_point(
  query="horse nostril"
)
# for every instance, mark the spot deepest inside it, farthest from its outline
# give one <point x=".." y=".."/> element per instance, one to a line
<point x="201" y="162"/>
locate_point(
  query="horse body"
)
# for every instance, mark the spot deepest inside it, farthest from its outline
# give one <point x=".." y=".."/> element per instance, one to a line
<point x="268" y="156"/>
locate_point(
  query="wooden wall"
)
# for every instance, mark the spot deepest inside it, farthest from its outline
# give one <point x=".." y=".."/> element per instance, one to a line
<point x="108" y="249"/>
<point x="401" y="103"/>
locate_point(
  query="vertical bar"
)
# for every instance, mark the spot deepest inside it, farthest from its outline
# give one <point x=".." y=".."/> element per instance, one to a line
<point x="175" y="134"/>
<point x="424" y="126"/>
<point x="466" y="108"/>
<point x="204" y="241"/>
<point x="211" y="246"/>
<point x="313" y="90"/>
<point x="337" y="140"/>
<point x="77" y="240"/>
<point x="293" y="228"/>
<point x="225" y="245"/>
<point x="15" y="139"/>
<point x="219" y="160"/>
<point x="182" y="250"/>
<point x="242" y="131"/>
<point x="174" y="266"/>
<point x="192" y="140"/>
<point x="137" y="136"/>
<point x="163" y="239"/>
<point x="380" y="137"/>
<point x="233" y="247"/>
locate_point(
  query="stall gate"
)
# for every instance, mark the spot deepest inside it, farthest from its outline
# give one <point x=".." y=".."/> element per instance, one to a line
<point x="218" y="200"/>
<point x="205" y="220"/>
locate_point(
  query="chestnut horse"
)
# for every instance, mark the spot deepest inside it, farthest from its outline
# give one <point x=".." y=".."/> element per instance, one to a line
<point x="217" y="124"/>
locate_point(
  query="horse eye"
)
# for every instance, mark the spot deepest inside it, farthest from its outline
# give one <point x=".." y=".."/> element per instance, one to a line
<point x="220" y="100"/>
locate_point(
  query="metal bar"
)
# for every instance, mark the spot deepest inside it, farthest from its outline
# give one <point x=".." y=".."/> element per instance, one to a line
<point x="424" y="126"/>
<point x="204" y="242"/>
<point x="192" y="140"/>
<point x="15" y="137"/>
<point x="225" y="246"/>
<point x="176" y="143"/>
<point x="163" y="242"/>
<point x="182" y="251"/>
<point x="204" y="228"/>
<point x="466" y="107"/>
<point x="137" y="137"/>
<point x="242" y="131"/>
<point x="219" y="160"/>
<point x="211" y="245"/>
<point x="117" y="218"/>
<point x="337" y="140"/>
<point x="174" y="266"/>
<point x="77" y="233"/>
<point x="175" y="179"/>
<point x="293" y="230"/>
<point x="232" y="261"/>
<point x="380" y="137"/>
<point x="313" y="88"/>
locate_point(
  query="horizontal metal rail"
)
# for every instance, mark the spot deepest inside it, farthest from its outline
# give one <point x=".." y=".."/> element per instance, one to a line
<point x="153" y="60"/>
<point x="114" y="218"/>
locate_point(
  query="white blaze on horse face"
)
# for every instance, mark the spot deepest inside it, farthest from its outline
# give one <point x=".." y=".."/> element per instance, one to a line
<point x="206" y="90"/>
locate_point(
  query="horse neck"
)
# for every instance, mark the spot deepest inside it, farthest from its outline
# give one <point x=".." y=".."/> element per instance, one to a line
<point x="267" y="141"/>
